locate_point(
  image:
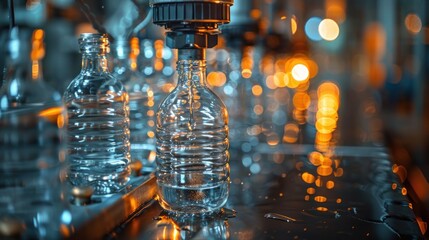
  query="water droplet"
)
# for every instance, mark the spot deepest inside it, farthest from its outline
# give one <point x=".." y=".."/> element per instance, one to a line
<point x="280" y="217"/>
<point x="190" y="135"/>
<point x="337" y="215"/>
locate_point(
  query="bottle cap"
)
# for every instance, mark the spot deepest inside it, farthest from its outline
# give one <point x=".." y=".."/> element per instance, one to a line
<point x="202" y="13"/>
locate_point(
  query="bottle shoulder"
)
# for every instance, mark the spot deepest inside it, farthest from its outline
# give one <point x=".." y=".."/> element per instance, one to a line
<point x="94" y="84"/>
<point x="203" y="106"/>
<point x="199" y="94"/>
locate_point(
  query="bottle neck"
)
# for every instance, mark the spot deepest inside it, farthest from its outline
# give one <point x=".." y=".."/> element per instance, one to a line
<point x="191" y="67"/>
<point x="191" y="72"/>
<point x="94" y="63"/>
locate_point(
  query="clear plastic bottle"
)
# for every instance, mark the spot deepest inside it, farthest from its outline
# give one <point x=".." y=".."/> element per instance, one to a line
<point x="141" y="102"/>
<point x="192" y="142"/>
<point x="98" y="124"/>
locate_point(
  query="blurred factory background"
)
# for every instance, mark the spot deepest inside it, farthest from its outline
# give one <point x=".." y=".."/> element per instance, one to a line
<point x="272" y="67"/>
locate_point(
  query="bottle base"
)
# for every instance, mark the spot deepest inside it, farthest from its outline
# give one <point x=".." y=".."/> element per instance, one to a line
<point x="195" y="200"/>
<point x="190" y="210"/>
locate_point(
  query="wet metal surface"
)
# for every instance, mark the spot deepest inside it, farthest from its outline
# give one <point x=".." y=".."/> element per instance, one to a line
<point x="101" y="215"/>
<point x="328" y="180"/>
<point x="298" y="196"/>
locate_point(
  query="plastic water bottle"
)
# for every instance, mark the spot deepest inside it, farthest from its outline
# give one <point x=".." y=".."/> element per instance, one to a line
<point x="98" y="150"/>
<point x="192" y="142"/>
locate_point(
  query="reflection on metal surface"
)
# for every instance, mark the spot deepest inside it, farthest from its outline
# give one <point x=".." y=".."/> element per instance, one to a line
<point x="356" y="204"/>
<point x="101" y="216"/>
<point x="344" y="211"/>
<point x="422" y="225"/>
<point x="82" y="195"/>
<point x="322" y="164"/>
<point x="173" y="226"/>
<point x="318" y="156"/>
<point x="11" y="228"/>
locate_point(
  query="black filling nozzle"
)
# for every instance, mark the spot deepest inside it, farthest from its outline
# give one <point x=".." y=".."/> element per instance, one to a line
<point x="191" y="23"/>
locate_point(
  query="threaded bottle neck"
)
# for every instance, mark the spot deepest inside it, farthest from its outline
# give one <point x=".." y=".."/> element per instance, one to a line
<point x="94" y="48"/>
<point x="192" y="72"/>
<point x="93" y="43"/>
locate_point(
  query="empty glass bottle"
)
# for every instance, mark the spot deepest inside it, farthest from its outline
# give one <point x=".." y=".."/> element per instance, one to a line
<point x="192" y="142"/>
<point x="98" y="124"/>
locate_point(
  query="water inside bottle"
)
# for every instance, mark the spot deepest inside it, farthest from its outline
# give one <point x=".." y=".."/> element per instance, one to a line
<point x="193" y="173"/>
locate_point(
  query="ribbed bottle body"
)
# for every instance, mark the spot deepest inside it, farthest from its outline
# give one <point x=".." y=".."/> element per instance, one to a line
<point x="98" y="146"/>
<point x="192" y="146"/>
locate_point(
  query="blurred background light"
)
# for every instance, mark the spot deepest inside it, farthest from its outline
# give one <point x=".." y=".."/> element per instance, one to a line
<point x="300" y="72"/>
<point x="413" y="23"/>
<point x="312" y="28"/>
<point x="328" y="29"/>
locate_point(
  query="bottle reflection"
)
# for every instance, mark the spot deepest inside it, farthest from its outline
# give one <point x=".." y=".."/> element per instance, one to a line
<point x="186" y="227"/>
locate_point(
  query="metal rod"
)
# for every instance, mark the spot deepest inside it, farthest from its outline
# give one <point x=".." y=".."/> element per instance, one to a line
<point x="11" y="15"/>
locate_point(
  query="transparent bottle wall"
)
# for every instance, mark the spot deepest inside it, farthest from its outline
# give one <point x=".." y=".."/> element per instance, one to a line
<point x="290" y="72"/>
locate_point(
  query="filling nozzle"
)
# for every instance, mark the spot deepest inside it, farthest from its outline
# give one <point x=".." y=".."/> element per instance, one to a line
<point x="191" y="23"/>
